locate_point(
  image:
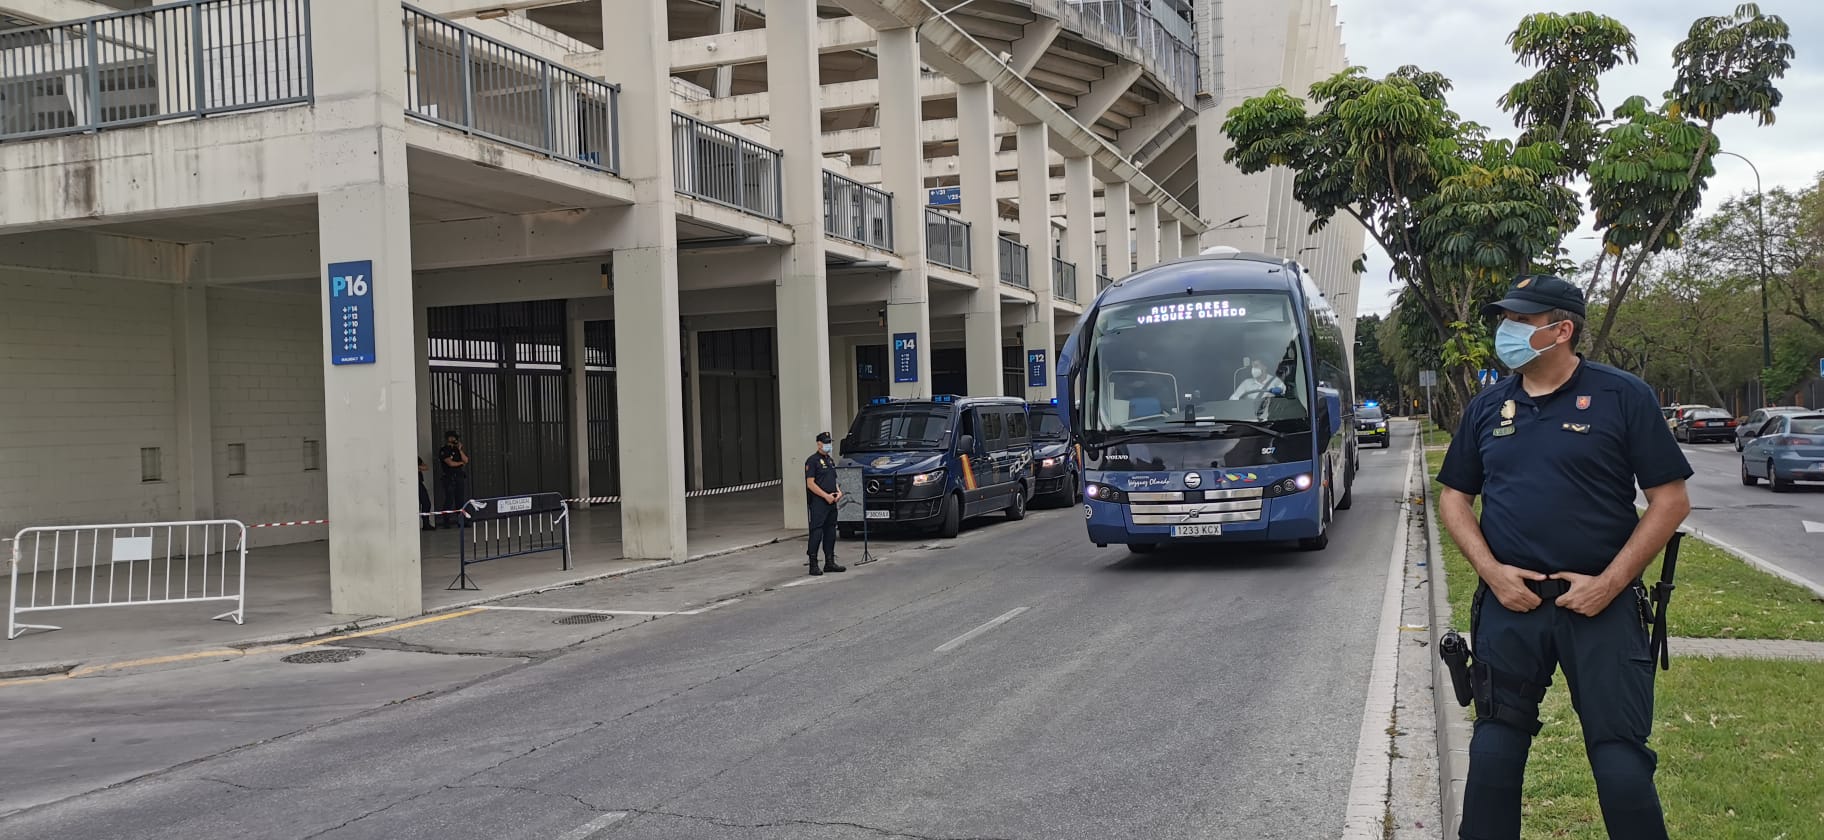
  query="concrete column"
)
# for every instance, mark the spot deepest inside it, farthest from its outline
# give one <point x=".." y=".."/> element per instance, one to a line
<point x="195" y="423"/>
<point x="1117" y="228"/>
<point x="975" y="153"/>
<point x="842" y="395"/>
<point x="1080" y="224"/>
<point x="1146" y="230"/>
<point x="364" y="214"/>
<point x="902" y="162"/>
<point x="1190" y="244"/>
<point x="803" y="296"/>
<point x="637" y="54"/>
<point x="1170" y="240"/>
<point x="576" y="391"/>
<point x="725" y="74"/>
<point x="1039" y="333"/>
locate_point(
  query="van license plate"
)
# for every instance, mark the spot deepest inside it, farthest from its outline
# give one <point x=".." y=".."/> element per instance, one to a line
<point x="880" y="514"/>
<point x="1196" y="530"/>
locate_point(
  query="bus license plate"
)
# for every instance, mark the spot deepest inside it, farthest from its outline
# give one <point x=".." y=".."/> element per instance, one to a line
<point x="880" y="514"/>
<point x="1196" y="530"/>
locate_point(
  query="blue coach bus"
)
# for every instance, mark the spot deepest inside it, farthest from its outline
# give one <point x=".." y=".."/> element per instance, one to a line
<point x="1212" y="400"/>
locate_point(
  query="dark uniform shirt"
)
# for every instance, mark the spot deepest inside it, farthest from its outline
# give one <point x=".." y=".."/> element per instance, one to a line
<point x="1557" y="482"/>
<point x="822" y="468"/>
<point x="445" y="456"/>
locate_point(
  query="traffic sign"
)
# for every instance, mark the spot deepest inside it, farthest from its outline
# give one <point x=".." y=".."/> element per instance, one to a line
<point x="1488" y="376"/>
<point x="1428" y="379"/>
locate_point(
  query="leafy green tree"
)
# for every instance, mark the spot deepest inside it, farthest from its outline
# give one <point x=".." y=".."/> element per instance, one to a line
<point x="1648" y="178"/>
<point x="1374" y="374"/>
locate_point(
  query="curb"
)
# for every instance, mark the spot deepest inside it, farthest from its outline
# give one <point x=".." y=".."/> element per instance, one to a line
<point x="1454" y="730"/>
<point x="41" y="669"/>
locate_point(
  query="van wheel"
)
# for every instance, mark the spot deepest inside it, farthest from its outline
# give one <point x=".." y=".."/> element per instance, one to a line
<point x="953" y="518"/>
<point x="1017" y="510"/>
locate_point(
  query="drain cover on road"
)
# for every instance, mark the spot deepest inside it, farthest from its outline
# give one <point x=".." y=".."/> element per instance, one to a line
<point x="318" y="657"/>
<point x="583" y="618"/>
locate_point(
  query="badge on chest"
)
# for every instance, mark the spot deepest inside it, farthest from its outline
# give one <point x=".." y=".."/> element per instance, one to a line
<point x="1507" y="420"/>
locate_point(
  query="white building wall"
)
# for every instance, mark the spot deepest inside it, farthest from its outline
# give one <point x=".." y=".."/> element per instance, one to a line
<point x="88" y="381"/>
<point x="266" y="393"/>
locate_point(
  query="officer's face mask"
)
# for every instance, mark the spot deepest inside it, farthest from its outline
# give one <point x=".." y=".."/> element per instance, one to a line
<point x="824" y="448"/>
<point x="1514" y="343"/>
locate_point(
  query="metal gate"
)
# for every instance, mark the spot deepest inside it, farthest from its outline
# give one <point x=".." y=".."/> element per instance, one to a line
<point x="740" y="407"/>
<point x="604" y="421"/>
<point x="497" y="378"/>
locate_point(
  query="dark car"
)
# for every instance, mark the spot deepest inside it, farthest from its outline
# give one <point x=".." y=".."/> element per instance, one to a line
<point x="1371" y="425"/>
<point x="1699" y="425"/>
<point x="929" y="464"/>
<point x="1750" y="426"/>
<point x="1055" y="474"/>
<point x="1788" y="448"/>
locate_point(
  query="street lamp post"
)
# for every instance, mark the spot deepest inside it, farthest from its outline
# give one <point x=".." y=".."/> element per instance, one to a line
<point x="1760" y="208"/>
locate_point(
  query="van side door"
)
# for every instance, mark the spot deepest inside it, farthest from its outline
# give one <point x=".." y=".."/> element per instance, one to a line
<point x="1019" y="449"/>
<point x="986" y="462"/>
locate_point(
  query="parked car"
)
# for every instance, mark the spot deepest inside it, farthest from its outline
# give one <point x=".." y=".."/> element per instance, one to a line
<point x="1750" y="426"/>
<point x="1699" y="425"/>
<point x="1789" y="448"/>
<point x="1678" y="413"/>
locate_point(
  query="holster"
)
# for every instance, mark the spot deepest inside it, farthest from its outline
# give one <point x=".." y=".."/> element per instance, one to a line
<point x="1455" y="652"/>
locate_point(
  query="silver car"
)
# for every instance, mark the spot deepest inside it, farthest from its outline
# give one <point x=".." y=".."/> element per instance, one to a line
<point x="1751" y="425"/>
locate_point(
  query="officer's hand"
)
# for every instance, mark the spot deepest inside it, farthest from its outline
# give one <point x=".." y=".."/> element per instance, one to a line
<point x="1509" y="586"/>
<point x="1589" y="595"/>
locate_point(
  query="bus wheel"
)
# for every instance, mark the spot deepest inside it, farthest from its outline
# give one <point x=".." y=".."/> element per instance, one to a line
<point x="1322" y="540"/>
<point x="953" y="518"/>
<point x="1348" y="494"/>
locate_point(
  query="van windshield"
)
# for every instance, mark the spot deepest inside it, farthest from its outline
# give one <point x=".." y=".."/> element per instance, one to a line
<point x="900" y="427"/>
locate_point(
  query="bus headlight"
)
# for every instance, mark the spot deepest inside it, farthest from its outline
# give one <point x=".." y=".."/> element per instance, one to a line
<point x="924" y="479"/>
<point x="1290" y="485"/>
<point x="1103" y="493"/>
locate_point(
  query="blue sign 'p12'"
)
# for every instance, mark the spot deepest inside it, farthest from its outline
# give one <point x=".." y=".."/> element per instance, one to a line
<point x="351" y="313"/>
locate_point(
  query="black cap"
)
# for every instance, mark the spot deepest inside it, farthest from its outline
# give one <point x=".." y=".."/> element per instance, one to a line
<point x="1538" y="293"/>
<point x="823" y="437"/>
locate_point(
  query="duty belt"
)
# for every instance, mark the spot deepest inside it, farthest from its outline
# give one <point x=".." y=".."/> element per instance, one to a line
<point x="1549" y="590"/>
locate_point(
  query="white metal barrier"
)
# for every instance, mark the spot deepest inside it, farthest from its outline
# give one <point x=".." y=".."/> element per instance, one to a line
<point x="71" y="568"/>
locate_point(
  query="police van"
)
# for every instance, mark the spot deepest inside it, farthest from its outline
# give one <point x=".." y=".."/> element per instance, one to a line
<point x="929" y="464"/>
<point x="1056" y="479"/>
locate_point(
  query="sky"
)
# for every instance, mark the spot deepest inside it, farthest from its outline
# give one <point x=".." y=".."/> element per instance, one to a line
<point x="1466" y="40"/>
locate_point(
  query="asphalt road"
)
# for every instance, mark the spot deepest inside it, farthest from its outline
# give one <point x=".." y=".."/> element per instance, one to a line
<point x="1016" y="683"/>
<point x="1756" y="520"/>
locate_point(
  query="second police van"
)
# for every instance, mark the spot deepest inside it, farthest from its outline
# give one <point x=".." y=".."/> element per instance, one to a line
<point x="929" y="464"/>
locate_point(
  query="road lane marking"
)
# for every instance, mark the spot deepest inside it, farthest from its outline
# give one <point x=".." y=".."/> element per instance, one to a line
<point x="1003" y="618"/>
<point x="590" y="828"/>
<point x="1369" y="784"/>
<point x="1813" y="527"/>
<point x="715" y="606"/>
<point x="803" y="582"/>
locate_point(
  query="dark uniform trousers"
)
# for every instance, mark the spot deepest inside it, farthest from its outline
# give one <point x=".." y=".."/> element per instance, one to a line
<point x="823" y="530"/>
<point x="455" y="490"/>
<point x="1603" y="657"/>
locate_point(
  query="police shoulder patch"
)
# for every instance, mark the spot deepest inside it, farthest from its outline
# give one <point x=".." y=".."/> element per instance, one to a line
<point x="1583" y="402"/>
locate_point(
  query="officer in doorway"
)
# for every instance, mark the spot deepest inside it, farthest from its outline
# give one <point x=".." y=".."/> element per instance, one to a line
<point x="821" y="495"/>
<point x="455" y="461"/>
<point x="1555" y="453"/>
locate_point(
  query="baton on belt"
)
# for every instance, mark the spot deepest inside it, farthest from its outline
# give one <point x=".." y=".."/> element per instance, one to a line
<point x="1662" y="597"/>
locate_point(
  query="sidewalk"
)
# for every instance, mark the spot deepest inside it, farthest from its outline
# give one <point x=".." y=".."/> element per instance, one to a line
<point x="288" y="589"/>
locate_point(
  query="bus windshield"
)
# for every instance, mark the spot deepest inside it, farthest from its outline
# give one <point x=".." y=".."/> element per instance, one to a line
<point x="1202" y="360"/>
<point x="900" y="427"/>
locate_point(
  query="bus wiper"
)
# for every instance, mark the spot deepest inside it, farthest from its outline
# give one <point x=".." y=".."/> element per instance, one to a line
<point x="1115" y="436"/>
<point x="1218" y="427"/>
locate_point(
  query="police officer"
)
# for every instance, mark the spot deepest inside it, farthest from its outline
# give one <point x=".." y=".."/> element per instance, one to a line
<point x="455" y="461"/>
<point x="821" y="495"/>
<point x="1556" y="452"/>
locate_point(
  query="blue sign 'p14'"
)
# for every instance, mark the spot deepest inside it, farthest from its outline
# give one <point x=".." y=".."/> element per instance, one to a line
<point x="351" y="313"/>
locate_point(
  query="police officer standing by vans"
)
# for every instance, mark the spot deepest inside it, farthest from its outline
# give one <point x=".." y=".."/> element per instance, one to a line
<point x="821" y="495"/>
<point x="1556" y="452"/>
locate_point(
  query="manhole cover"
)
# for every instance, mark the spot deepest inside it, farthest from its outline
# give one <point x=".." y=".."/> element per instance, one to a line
<point x="584" y="618"/>
<point x="317" y="657"/>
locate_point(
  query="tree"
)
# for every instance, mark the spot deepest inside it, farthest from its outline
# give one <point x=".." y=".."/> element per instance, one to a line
<point x="1374" y="375"/>
<point x="1649" y="176"/>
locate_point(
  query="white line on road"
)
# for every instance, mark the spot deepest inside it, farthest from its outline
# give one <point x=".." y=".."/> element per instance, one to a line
<point x="1368" y="786"/>
<point x="957" y="642"/>
<point x="591" y="827"/>
<point x="1813" y="527"/>
<point x="715" y="606"/>
<point x="804" y="582"/>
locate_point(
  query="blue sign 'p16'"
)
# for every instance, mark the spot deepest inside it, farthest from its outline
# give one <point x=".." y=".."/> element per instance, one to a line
<point x="351" y="313"/>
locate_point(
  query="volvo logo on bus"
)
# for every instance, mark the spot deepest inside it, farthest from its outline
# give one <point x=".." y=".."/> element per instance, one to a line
<point x="1193" y="480"/>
